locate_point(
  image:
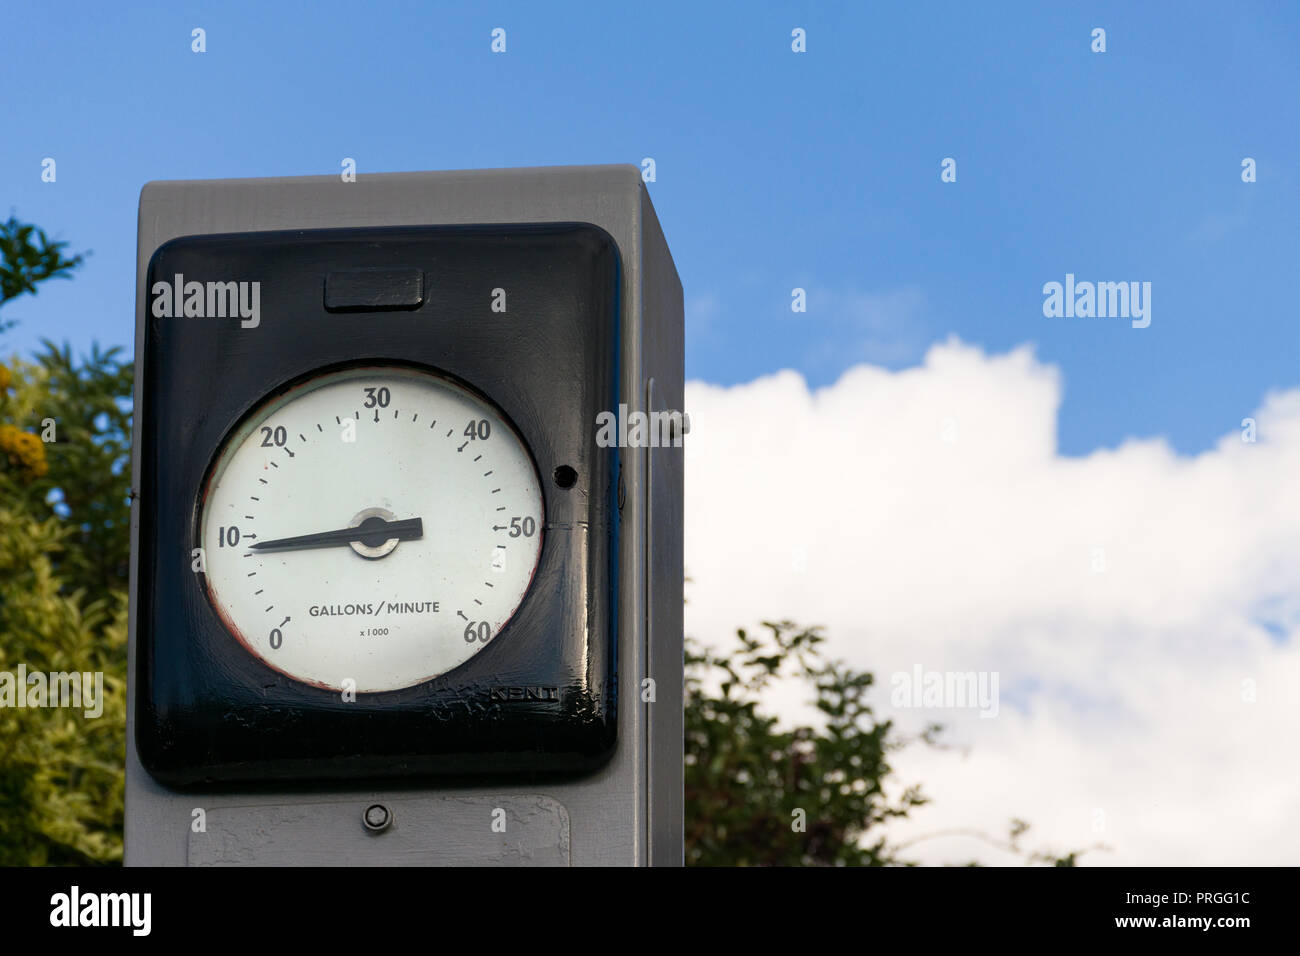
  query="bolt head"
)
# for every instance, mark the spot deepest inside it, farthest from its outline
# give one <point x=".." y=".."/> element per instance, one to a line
<point x="377" y="817"/>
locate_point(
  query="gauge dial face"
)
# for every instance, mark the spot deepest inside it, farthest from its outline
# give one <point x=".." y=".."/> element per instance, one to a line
<point x="371" y="529"/>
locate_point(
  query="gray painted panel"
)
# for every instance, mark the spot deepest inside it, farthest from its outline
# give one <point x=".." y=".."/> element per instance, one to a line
<point x="662" y="330"/>
<point x="446" y="831"/>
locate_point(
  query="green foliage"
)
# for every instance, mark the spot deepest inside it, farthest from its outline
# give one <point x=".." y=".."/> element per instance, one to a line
<point x="61" y="772"/>
<point x="758" y="794"/>
<point x="64" y="480"/>
<point x="27" y="257"/>
<point x="85" y="406"/>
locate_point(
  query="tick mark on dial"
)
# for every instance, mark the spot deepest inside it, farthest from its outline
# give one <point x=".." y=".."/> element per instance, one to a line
<point x="289" y="453"/>
<point x="477" y="457"/>
<point x="254" y="498"/>
<point x="462" y="447"/>
<point x="302" y="436"/>
<point x="262" y="480"/>
<point x="318" y="428"/>
<point x="269" y="608"/>
<point x="395" y="414"/>
<point x="486" y="473"/>
<point x="449" y="431"/>
<point x="495" y="490"/>
<point x="376" y="416"/>
<point x="478" y="602"/>
<point x="249" y="517"/>
<point x="462" y="614"/>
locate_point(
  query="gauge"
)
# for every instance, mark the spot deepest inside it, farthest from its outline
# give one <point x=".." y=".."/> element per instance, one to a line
<point x="380" y="537"/>
<point x="370" y="529"/>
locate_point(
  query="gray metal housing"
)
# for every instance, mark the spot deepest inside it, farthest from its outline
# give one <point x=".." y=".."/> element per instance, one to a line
<point x="630" y="812"/>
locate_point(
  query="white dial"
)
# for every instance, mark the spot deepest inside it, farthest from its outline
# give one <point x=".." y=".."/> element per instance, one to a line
<point x="371" y="529"/>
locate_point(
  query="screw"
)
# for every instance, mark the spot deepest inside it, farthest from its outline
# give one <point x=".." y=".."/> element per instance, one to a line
<point x="377" y="817"/>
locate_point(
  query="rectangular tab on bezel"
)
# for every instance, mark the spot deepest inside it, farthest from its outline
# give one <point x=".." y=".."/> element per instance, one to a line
<point x="373" y="290"/>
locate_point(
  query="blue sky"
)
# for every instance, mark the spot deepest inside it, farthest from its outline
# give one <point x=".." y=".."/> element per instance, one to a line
<point x="774" y="169"/>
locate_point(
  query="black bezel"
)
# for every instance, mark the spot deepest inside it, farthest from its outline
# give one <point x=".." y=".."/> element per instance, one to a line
<point x="208" y="712"/>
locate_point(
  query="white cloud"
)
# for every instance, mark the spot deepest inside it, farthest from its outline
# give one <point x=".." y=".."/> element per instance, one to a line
<point x="936" y="524"/>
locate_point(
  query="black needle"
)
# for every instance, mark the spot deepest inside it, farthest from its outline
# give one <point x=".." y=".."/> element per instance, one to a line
<point x="372" y="532"/>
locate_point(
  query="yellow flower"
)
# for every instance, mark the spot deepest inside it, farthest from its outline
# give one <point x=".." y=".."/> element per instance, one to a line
<point x="5" y="377"/>
<point x="23" y="450"/>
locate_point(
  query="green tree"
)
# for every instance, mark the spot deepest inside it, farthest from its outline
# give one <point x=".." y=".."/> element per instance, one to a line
<point x="64" y="457"/>
<point x="760" y="794"/>
<point x="28" y="257"/>
<point x="81" y="411"/>
<point x="61" y="771"/>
